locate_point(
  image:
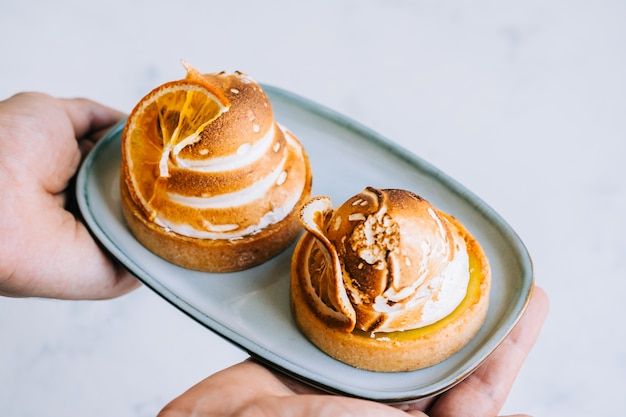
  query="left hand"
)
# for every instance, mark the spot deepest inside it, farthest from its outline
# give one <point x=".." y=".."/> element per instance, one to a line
<point x="45" y="251"/>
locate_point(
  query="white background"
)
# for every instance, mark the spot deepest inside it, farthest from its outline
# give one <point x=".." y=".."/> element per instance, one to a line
<point x="522" y="102"/>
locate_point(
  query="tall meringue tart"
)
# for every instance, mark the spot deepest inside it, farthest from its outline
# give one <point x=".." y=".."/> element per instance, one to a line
<point x="387" y="282"/>
<point x="209" y="180"/>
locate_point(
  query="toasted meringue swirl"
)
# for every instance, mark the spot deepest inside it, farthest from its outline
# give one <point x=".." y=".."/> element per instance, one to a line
<point x="239" y="173"/>
<point x="384" y="261"/>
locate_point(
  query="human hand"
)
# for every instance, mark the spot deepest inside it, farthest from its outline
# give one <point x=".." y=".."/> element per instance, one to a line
<point x="45" y="251"/>
<point x="249" y="389"/>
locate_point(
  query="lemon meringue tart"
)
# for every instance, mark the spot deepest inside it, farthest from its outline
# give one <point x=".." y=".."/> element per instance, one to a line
<point x="209" y="180"/>
<point x="387" y="282"/>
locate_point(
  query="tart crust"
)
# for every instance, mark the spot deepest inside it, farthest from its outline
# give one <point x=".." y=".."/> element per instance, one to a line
<point x="213" y="255"/>
<point x="395" y="351"/>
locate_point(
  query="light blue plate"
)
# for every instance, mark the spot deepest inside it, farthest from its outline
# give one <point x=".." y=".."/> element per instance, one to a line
<point x="251" y="308"/>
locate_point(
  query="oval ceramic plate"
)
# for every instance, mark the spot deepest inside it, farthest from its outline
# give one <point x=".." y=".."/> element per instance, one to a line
<point x="251" y="308"/>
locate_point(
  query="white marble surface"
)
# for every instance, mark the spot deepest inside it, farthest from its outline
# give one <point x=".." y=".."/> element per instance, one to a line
<point x="523" y="102"/>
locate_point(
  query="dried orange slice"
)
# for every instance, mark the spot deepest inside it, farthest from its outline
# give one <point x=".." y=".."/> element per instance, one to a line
<point x="168" y="119"/>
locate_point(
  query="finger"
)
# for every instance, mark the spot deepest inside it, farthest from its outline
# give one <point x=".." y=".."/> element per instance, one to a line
<point x="223" y="392"/>
<point x="304" y="400"/>
<point x="89" y="118"/>
<point x="250" y="389"/>
<point x="45" y="132"/>
<point x="484" y="392"/>
<point x="320" y="405"/>
<point x="518" y="415"/>
<point x="416" y="408"/>
<point x="90" y="121"/>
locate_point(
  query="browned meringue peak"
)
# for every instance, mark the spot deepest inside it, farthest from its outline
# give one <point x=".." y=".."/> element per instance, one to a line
<point x="388" y="261"/>
<point x="247" y="121"/>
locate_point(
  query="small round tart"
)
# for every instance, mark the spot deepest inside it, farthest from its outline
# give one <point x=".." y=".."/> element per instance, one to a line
<point x="385" y="351"/>
<point x="210" y="180"/>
